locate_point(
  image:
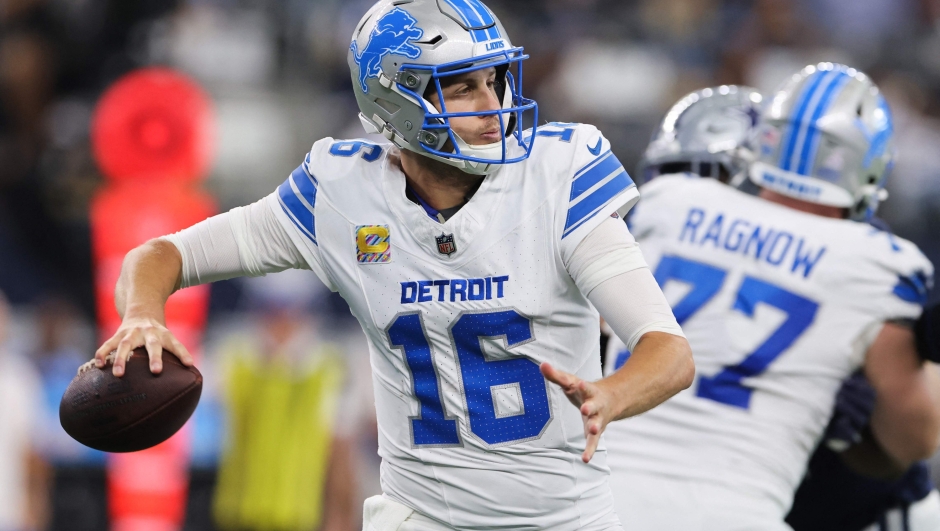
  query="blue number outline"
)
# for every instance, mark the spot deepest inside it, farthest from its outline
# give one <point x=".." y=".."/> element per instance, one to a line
<point x="434" y="402"/>
<point x="506" y="346"/>
<point x="726" y="386"/>
<point x="564" y="135"/>
<point x="437" y="380"/>
<point x="706" y="281"/>
<point x="356" y="146"/>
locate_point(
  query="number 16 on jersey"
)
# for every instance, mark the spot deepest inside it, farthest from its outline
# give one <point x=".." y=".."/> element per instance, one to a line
<point x="506" y="399"/>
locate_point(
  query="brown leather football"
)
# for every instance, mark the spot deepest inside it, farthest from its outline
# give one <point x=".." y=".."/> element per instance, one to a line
<point x="134" y="412"/>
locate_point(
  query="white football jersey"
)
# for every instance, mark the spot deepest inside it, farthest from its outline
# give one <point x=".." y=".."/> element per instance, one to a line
<point x="458" y="317"/>
<point x="779" y="306"/>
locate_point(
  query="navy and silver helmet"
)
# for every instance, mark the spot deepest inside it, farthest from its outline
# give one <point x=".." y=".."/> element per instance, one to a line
<point x="401" y="50"/>
<point x="826" y="137"/>
<point x="708" y="133"/>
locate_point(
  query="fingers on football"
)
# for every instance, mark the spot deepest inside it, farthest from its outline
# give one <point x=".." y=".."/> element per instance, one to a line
<point x="108" y="347"/>
<point x="154" y="351"/>
<point x="173" y="345"/>
<point x="131" y="340"/>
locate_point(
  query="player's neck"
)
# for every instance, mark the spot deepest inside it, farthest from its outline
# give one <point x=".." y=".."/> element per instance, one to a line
<point x="440" y="185"/>
<point x="803" y="206"/>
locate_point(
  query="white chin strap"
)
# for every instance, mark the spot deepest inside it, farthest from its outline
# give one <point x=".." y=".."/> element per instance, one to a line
<point x="492" y="152"/>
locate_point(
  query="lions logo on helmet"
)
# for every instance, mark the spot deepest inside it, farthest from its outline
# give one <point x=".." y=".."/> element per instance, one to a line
<point x="826" y="139"/>
<point x="391" y="35"/>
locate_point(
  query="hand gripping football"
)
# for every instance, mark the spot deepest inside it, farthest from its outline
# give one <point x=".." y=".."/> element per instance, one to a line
<point x="134" y="412"/>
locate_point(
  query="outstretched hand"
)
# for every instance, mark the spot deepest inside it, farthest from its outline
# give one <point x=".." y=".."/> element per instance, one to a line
<point x="141" y="332"/>
<point x="593" y="399"/>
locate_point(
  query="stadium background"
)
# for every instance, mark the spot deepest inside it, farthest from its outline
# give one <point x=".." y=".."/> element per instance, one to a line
<point x="276" y="72"/>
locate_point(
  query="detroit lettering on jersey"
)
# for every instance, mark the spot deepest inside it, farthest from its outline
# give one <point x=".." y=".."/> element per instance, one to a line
<point x="776" y="246"/>
<point x="453" y="290"/>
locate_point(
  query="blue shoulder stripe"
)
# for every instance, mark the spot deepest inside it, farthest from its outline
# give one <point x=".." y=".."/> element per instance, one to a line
<point x="595" y="172"/>
<point x="912" y="289"/>
<point x="586" y="208"/>
<point x="306" y="168"/>
<point x="298" y="195"/>
<point x="305" y="184"/>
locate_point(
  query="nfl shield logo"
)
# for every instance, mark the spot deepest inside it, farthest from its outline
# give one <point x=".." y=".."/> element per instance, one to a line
<point x="445" y="244"/>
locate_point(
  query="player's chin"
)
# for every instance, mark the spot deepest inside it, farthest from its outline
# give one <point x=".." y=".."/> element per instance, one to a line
<point x="486" y="138"/>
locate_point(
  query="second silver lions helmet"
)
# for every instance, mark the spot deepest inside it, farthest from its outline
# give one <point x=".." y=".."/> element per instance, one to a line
<point x="708" y="133"/>
<point x="402" y="49"/>
<point x="826" y="137"/>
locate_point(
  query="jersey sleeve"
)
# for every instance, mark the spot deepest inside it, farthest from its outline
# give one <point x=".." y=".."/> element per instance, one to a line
<point x="596" y="186"/>
<point x="892" y="283"/>
<point x="909" y="275"/>
<point x="295" y="206"/>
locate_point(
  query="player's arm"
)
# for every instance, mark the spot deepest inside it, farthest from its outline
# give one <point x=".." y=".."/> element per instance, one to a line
<point x="150" y="273"/>
<point x="906" y="418"/>
<point x="609" y="268"/>
<point x="246" y="241"/>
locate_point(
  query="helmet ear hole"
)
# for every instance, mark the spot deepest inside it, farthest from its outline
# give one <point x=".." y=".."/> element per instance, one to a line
<point x="872" y="179"/>
<point x="859" y="111"/>
<point x="388" y="106"/>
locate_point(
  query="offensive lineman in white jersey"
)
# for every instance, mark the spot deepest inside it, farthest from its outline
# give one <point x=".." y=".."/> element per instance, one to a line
<point x="782" y="297"/>
<point x="468" y="252"/>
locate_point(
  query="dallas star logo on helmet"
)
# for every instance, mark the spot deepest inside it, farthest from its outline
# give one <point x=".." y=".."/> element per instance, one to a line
<point x="392" y="35"/>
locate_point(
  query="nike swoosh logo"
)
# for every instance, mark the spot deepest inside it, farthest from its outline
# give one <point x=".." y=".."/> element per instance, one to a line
<point x="596" y="150"/>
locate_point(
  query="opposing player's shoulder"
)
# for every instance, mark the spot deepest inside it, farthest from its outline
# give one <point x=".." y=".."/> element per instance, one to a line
<point x="333" y="159"/>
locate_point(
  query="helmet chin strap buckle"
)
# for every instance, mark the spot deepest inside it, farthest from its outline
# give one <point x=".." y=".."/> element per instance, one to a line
<point x="370" y="125"/>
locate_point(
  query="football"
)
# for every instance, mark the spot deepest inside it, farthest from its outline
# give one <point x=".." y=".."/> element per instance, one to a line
<point x="134" y="412"/>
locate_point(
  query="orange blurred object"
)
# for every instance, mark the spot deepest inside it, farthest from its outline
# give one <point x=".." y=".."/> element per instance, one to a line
<point x="127" y="214"/>
<point x="152" y="136"/>
<point x="154" y="124"/>
<point x="147" y="490"/>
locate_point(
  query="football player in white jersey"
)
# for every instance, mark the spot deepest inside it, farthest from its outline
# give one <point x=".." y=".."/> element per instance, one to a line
<point x="468" y="249"/>
<point x="782" y="297"/>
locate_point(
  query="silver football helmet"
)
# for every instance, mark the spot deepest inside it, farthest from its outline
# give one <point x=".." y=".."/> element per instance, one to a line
<point x="708" y="133"/>
<point x="826" y="137"/>
<point x="401" y="50"/>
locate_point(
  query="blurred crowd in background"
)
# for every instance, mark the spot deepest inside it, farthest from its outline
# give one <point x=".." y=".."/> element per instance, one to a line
<point x="277" y="74"/>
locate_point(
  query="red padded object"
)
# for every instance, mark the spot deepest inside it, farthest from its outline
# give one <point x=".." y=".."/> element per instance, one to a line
<point x="134" y="412"/>
<point x="153" y="124"/>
